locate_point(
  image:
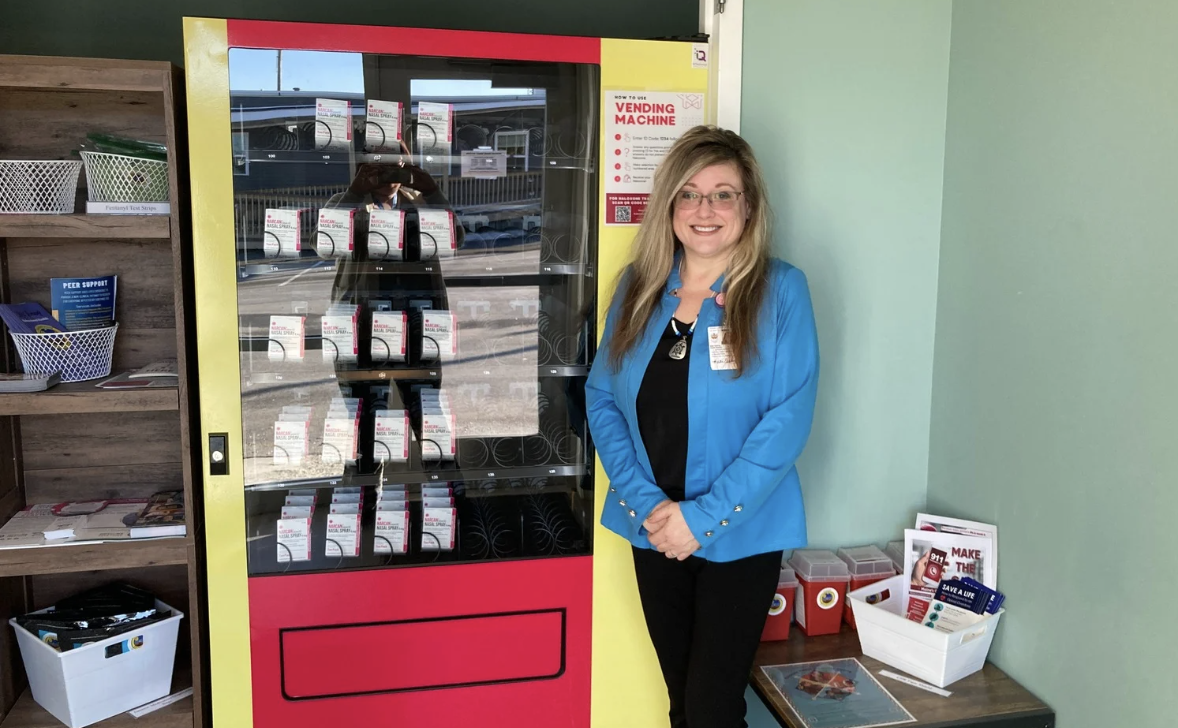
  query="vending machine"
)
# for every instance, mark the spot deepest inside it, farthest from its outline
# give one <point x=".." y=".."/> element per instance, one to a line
<point x="404" y="241"/>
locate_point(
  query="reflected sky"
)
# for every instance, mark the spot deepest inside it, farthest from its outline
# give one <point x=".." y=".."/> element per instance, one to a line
<point x="252" y="69"/>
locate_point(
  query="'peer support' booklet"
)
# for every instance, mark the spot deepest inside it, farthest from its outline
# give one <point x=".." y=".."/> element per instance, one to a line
<point x="83" y="303"/>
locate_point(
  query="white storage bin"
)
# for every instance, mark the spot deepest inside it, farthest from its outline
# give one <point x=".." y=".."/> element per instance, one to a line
<point x="85" y="685"/>
<point x="941" y="658"/>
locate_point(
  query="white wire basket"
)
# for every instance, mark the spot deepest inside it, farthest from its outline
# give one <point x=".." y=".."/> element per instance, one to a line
<point x="120" y="178"/>
<point x="78" y="355"/>
<point x="38" y="187"/>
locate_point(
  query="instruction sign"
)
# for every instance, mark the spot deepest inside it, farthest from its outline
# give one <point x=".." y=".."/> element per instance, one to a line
<point x="640" y="128"/>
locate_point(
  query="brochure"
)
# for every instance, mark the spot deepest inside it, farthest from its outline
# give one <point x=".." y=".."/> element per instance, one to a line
<point x="944" y="524"/>
<point x="83" y="303"/>
<point x="163" y="516"/>
<point x="29" y="318"/>
<point x="930" y="557"/>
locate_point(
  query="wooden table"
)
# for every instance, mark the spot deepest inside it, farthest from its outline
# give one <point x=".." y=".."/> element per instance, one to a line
<point x="988" y="698"/>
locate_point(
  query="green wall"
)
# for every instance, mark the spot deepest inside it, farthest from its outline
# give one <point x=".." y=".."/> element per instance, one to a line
<point x="844" y="103"/>
<point x="150" y="29"/>
<point x="1047" y="273"/>
<point x="1055" y="406"/>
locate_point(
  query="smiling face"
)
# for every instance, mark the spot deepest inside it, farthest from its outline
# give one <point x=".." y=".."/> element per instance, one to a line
<point x="705" y="231"/>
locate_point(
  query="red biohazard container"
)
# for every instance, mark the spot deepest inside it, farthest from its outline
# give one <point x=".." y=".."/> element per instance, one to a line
<point x="822" y="591"/>
<point x="867" y="565"/>
<point x="781" y="609"/>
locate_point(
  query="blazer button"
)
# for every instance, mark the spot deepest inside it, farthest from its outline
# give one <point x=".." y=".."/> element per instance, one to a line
<point x="738" y="509"/>
<point x="622" y="502"/>
<point x="708" y="534"/>
<point x="724" y="522"/>
<point x="613" y="489"/>
<point x="632" y="513"/>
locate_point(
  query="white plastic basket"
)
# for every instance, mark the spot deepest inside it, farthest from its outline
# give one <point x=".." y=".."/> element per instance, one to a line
<point x="941" y="658"/>
<point x="38" y="187"/>
<point x="101" y="679"/>
<point x="78" y="355"/>
<point x="120" y="178"/>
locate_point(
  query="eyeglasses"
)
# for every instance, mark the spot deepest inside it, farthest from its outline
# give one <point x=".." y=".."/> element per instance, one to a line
<point x="720" y="200"/>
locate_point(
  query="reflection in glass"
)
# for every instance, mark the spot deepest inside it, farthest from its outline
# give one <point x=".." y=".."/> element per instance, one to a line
<point x="415" y="255"/>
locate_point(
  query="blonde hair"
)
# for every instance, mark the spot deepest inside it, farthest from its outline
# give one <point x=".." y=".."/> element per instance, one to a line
<point x="642" y="282"/>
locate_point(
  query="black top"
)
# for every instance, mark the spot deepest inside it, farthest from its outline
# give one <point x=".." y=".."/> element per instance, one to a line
<point x="662" y="412"/>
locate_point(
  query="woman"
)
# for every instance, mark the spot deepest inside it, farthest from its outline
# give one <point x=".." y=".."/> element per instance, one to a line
<point x="700" y="401"/>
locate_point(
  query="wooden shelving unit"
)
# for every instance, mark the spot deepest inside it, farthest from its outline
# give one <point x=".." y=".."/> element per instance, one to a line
<point x="90" y="227"/>
<point x="72" y="398"/>
<point x="94" y="557"/>
<point x="75" y="441"/>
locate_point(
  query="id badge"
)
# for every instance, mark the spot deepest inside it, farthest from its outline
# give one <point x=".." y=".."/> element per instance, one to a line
<point x="718" y="352"/>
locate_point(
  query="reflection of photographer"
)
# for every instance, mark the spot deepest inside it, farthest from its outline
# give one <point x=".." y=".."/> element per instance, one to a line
<point x="399" y="185"/>
<point x="395" y="185"/>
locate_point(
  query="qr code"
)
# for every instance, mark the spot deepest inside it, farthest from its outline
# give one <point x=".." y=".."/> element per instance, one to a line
<point x="622" y="213"/>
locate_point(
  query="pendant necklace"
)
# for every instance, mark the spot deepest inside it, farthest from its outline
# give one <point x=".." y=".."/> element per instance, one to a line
<point x="679" y="348"/>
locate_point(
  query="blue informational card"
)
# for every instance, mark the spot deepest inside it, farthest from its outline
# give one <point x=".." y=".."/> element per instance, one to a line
<point x="836" y="694"/>
<point x="83" y="303"/>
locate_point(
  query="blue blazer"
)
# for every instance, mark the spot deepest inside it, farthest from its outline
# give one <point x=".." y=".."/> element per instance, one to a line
<point x="743" y="433"/>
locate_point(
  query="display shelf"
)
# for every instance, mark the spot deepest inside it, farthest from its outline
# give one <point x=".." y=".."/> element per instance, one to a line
<point x="368" y="560"/>
<point x="82" y="74"/>
<point x="82" y="397"/>
<point x="451" y="474"/>
<point x="94" y="227"/>
<point x="493" y="525"/>
<point x="313" y="342"/>
<point x="56" y="103"/>
<point x="130" y="554"/>
<point x="311" y="156"/>
<point x="487" y="276"/>
<point x="425" y="373"/>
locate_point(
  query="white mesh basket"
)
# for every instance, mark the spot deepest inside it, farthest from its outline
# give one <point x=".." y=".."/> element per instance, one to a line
<point x="42" y="187"/>
<point x="119" y="178"/>
<point x="78" y="355"/>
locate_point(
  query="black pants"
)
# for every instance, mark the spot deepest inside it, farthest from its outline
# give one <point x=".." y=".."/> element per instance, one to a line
<point x="705" y="620"/>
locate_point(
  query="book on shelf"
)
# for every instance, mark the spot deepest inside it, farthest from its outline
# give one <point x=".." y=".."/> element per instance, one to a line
<point x="163" y="516"/>
<point x="25" y="383"/>
<point x="95" y="522"/>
